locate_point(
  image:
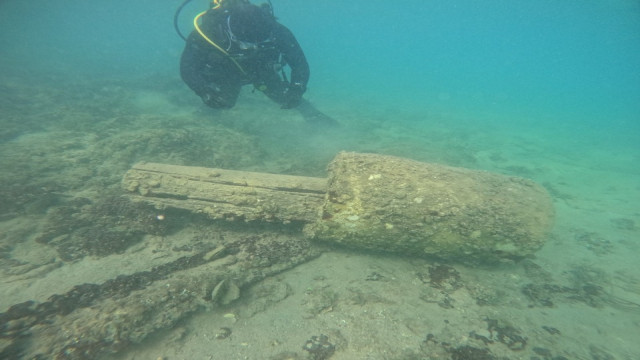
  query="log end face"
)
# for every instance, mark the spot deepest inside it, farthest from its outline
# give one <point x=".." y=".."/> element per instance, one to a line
<point x="390" y="204"/>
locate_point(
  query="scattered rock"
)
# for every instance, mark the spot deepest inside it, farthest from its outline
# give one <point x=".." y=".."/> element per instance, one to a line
<point x="223" y="333"/>
<point x="319" y="347"/>
<point x="623" y="224"/>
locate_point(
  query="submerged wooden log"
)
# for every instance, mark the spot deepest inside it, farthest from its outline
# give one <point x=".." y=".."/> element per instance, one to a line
<point x="393" y="204"/>
<point x="227" y="194"/>
<point x="370" y="201"/>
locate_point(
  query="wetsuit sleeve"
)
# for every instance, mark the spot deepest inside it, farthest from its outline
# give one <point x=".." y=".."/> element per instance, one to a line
<point x="293" y="55"/>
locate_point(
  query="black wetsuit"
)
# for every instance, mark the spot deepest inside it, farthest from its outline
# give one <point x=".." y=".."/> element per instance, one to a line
<point x="217" y="79"/>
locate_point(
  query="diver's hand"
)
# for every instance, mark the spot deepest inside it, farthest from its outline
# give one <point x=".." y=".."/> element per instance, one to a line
<point x="215" y="101"/>
<point x="292" y="96"/>
<point x="208" y="99"/>
<point x="213" y="97"/>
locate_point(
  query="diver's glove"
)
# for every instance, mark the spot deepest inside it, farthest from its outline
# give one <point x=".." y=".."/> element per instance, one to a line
<point x="293" y="96"/>
<point x="210" y="100"/>
<point x="211" y="96"/>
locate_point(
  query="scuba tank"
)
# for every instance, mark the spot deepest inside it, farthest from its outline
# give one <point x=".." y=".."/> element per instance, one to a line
<point x="215" y="4"/>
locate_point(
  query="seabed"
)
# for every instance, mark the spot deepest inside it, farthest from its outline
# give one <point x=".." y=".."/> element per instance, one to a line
<point x="89" y="274"/>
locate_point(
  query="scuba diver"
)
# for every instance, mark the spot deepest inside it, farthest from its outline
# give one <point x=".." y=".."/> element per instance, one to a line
<point x="238" y="43"/>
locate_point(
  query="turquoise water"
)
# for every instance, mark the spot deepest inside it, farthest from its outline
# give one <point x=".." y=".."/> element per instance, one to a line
<point x="571" y="60"/>
<point x="547" y="90"/>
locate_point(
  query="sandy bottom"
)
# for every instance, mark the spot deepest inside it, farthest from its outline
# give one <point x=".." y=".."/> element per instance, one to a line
<point x="63" y="223"/>
<point x="380" y="307"/>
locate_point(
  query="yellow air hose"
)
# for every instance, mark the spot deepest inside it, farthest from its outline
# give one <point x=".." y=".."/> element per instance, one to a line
<point x="197" y="27"/>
